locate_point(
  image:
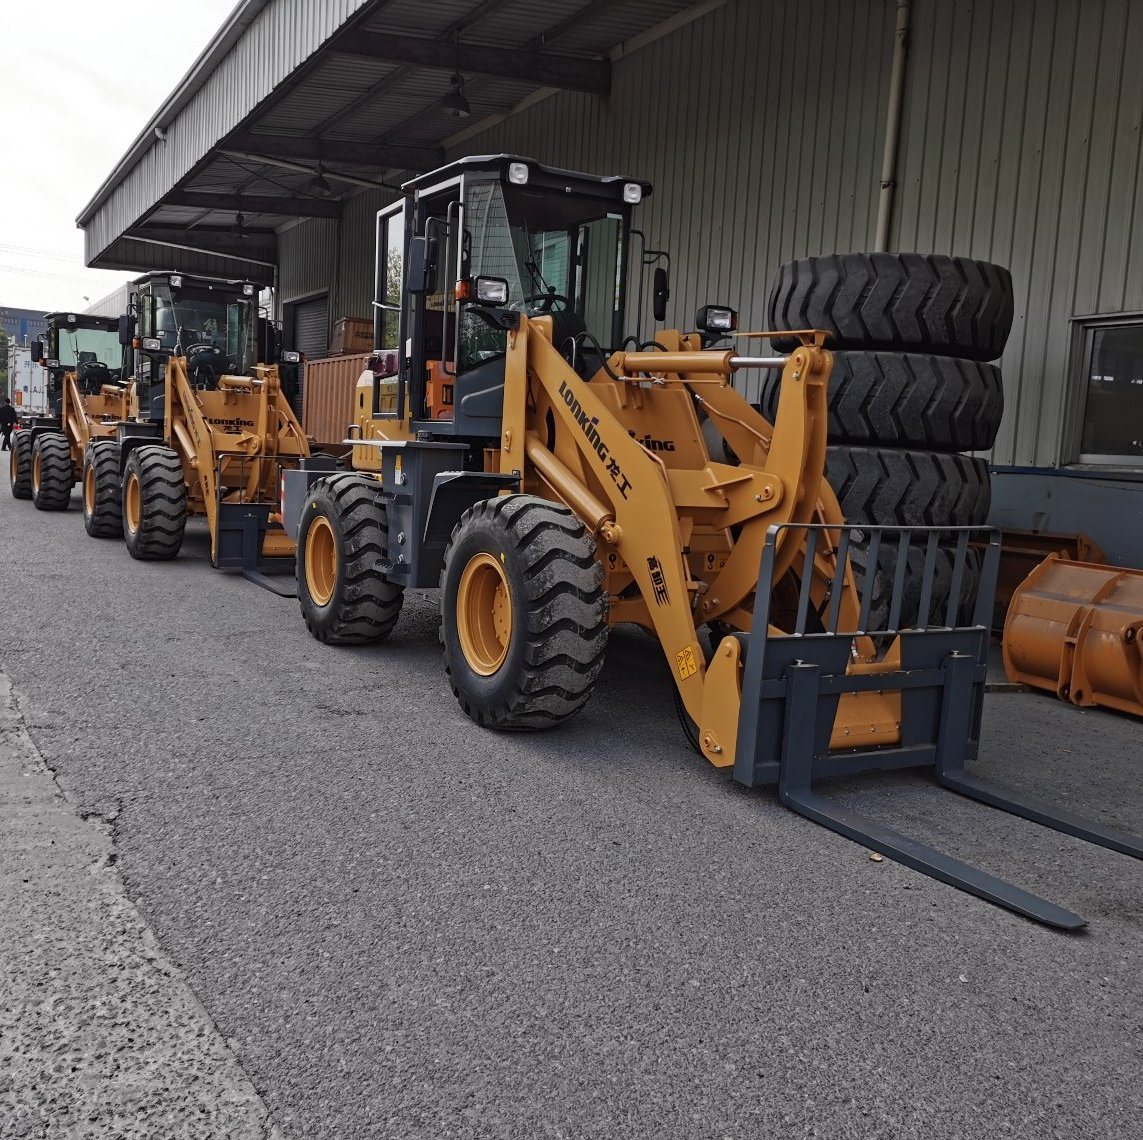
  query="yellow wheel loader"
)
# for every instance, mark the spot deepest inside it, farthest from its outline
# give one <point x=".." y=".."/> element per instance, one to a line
<point x="214" y="428"/>
<point x="90" y="391"/>
<point x="513" y="445"/>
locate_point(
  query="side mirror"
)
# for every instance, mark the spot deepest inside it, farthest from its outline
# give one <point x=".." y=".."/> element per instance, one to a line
<point x="37" y="347"/>
<point x="421" y="275"/>
<point x="126" y="331"/>
<point x="661" y="294"/>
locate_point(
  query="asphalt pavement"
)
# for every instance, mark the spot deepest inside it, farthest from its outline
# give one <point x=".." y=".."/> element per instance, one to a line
<point x="404" y="926"/>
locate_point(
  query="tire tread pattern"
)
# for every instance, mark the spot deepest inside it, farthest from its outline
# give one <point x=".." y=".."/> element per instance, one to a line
<point x="22" y="454"/>
<point x="566" y="628"/>
<point x="163" y="496"/>
<point x="366" y="605"/>
<point x="57" y="473"/>
<point x="106" y="520"/>
<point x="950" y="306"/>
<point x="907" y="400"/>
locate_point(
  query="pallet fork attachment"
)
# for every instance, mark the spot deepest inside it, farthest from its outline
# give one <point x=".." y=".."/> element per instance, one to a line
<point x="794" y="682"/>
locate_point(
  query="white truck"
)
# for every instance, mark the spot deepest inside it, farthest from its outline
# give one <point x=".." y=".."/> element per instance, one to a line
<point x="27" y="383"/>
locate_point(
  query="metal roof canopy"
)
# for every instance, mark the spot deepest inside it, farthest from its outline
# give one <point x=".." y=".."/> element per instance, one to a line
<point x="292" y="108"/>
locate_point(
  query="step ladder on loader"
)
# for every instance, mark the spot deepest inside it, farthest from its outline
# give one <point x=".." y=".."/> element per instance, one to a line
<point x="932" y="676"/>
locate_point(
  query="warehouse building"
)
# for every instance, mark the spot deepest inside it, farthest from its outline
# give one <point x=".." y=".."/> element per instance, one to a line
<point x="1008" y="130"/>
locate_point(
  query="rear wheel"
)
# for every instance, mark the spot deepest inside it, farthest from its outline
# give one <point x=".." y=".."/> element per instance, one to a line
<point x="154" y="504"/>
<point x="52" y="472"/>
<point x="102" y="498"/>
<point x="343" y="535"/>
<point x="523" y="613"/>
<point x="20" y="465"/>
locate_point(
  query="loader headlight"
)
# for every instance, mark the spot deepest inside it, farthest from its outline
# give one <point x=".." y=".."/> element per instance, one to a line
<point x="518" y="173"/>
<point x="176" y="281"/>
<point x="247" y="290"/>
<point x="291" y="358"/>
<point x="490" y="291"/>
<point x="633" y="193"/>
<point x="152" y="344"/>
<point x="51" y="363"/>
<point x="720" y="319"/>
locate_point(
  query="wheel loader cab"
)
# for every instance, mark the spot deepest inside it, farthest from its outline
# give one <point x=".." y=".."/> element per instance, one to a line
<point x="87" y="345"/>
<point x="211" y="322"/>
<point x="473" y="243"/>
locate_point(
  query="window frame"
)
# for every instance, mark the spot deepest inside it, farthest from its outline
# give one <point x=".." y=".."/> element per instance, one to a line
<point x="1083" y="350"/>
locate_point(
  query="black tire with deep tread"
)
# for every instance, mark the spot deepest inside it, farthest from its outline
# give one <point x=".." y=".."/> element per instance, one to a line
<point x="907" y="400"/>
<point x="57" y="473"/>
<point x="106" y="520"/>
<point x="365" y="606"/>
<point x="163" y="495"/>
<point x="929" y="303"/>
<point x="20" y="475"/>
<point x="897" y="487"/>
<point x="894" y="487"/>
<point x="559" y="613"/>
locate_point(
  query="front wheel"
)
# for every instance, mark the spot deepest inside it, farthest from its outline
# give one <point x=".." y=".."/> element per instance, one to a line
<point x="154" y="504"/>
<point x="102" y="506"/>
<point x="523" y="613"/>
<point x="52" y="472"/>
<point x="20" y="465"/>
<point x="342" y="537"/>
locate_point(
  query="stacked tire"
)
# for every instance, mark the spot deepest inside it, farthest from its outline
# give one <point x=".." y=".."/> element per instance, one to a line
<point x="912" y="391"/>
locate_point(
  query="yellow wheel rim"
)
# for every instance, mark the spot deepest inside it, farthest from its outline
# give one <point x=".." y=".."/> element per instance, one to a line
<point x="484" y="614"/>
<point x="36" y="472"/>
<point x="321" y="561"/>
<point x="133" y="501"/>
<point x="89" y="491"/>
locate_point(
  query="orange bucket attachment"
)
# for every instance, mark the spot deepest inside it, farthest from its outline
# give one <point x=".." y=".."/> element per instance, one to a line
<point x="1076" y="629"/>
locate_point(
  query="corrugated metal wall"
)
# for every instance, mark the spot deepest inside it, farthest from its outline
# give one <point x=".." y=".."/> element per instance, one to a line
<point x="761" y="127"/>
<point x="307" y="259"/>
<point x="1023" y="143"/>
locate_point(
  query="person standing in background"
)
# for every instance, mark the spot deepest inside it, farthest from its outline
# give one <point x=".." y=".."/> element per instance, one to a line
<point x="7" y="423"/>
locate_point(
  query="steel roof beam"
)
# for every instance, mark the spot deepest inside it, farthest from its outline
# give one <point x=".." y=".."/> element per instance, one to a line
<point x="544" y="67"/>
<point x="259" y="245"/>
<point x="386" y="156"/>
<point x="300" y="207"/>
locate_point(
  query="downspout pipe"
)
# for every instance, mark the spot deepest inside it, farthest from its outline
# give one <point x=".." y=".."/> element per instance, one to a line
<point x="893" y="126"/>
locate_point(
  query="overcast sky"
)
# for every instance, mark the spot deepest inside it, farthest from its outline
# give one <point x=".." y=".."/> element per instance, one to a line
<point x="79" y="80"/>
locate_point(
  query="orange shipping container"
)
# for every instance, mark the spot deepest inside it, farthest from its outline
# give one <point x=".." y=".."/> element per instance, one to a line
<point x="327" y="396"/>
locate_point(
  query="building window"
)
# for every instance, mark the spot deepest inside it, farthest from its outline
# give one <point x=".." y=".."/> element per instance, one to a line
<point x="1112" y="431"/>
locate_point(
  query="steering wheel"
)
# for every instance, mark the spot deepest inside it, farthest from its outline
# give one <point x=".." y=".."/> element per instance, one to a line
<point x="545" y="301"/>
<point x="205" y="364"/>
